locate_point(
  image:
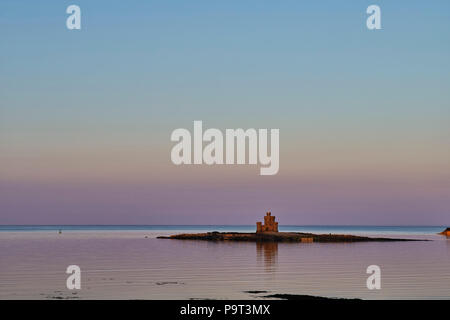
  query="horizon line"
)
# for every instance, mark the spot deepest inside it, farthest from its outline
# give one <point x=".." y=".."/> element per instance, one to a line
<point x="206" y="225"/>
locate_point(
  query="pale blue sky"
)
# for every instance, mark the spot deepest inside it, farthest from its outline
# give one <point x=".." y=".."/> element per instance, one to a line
<point x="98" y="105"/>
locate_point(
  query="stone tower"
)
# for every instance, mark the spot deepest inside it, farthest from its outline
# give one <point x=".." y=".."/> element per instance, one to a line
<point x="269" y="224"/>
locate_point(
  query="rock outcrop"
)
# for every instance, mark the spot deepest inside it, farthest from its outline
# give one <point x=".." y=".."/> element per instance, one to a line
<point x="276" y="237"/>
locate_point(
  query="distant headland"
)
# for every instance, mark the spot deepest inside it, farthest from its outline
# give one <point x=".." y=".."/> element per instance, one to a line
<point x="268" y="231"/>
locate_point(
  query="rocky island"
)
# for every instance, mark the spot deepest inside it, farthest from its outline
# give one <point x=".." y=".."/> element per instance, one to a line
<point x="269" y="232"/>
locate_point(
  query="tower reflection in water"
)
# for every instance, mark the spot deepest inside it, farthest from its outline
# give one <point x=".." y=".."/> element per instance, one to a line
<point x="267" y="252"/>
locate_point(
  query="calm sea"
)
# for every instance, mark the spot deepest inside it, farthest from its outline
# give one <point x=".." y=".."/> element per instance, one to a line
<point x="128" y="262"/>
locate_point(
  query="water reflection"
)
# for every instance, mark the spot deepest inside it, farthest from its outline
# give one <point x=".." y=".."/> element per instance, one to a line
<point x="267" y="252"/>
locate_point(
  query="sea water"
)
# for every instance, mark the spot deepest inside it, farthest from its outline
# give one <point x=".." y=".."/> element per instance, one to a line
<point x="129" y="262"/>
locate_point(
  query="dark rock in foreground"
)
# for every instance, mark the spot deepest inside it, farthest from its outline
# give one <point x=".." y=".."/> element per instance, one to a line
<point x="276" y="237"/>
<point x="301" y="297"/>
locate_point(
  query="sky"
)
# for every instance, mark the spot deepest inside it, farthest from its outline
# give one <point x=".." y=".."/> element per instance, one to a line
<point x="86" y="115"/>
